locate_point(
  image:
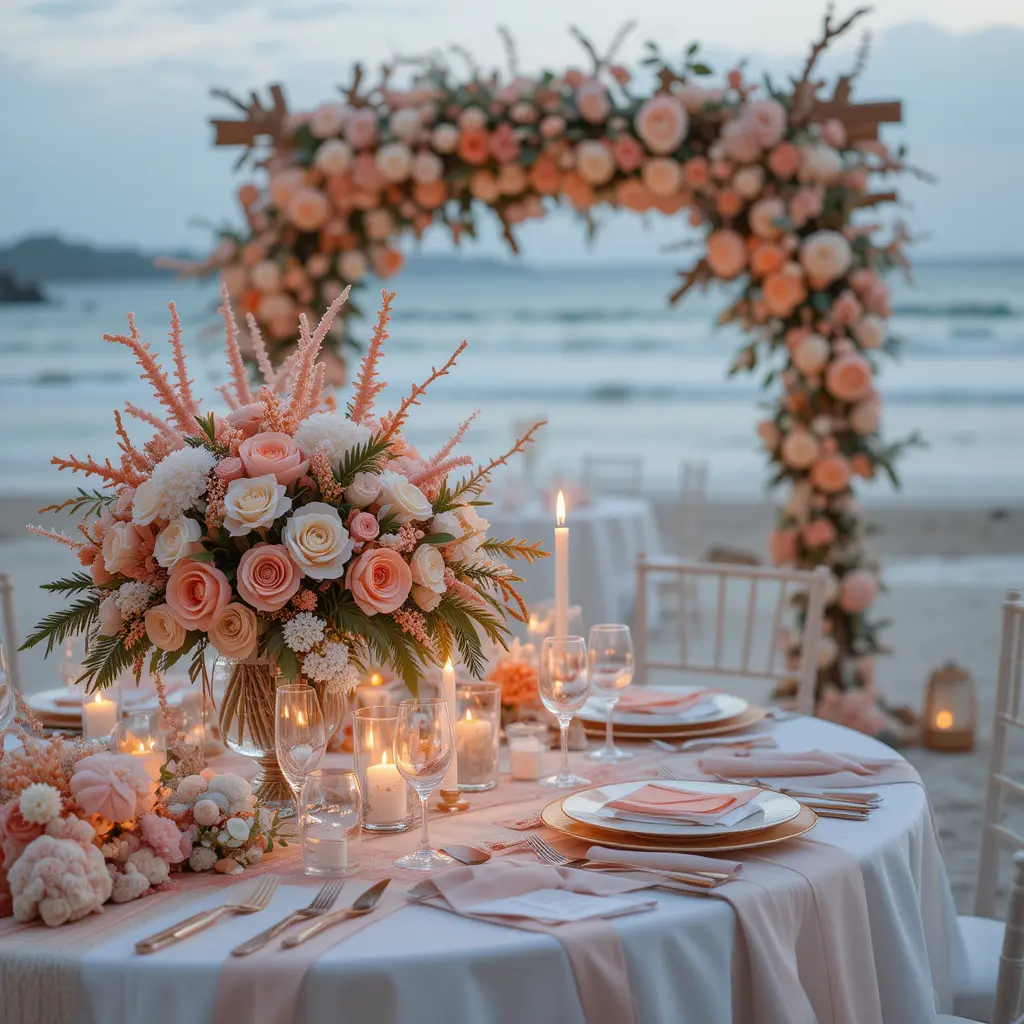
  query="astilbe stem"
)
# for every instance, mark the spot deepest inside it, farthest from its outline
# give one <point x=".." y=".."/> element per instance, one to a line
<point x="180" y="365"/>
<point x="320" y="470"/>
<point x="239" y="378"/>
<point x="56" y="536"/>
<point x="395" y="421"/>
<point x="90" y="467"/>
<point x="483" y="473"/>
<point x="413" y="624"/>
<point x="309" y="348"/>
<point x="367" y="386"/>
<point x="449" y="446"/>
<point x="259" y="348"/>
<point x="432" y="473"/>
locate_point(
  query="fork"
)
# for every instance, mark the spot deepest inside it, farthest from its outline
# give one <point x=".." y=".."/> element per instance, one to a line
<point x="256" y="899"/>
<point x="322" y="902"/>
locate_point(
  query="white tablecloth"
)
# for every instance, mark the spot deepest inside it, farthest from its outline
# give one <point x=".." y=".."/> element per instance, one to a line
<point x="605" y="538"/>
<point x="422" y="966"/>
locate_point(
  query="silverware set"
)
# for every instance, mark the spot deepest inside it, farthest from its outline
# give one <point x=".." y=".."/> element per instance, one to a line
<point x="258" y="898"/>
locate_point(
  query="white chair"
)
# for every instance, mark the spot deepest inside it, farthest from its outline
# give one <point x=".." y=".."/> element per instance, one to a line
<point x="1005" y="1003"/>
<point x="613" y="474"/>
<point x="739" y="660"/>
<point x="10" y="636"/>
<point x="693" y="500"/>
<point x="975" y="991"/>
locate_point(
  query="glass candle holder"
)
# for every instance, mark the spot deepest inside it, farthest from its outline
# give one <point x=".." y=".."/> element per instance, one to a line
<point x="101" y="711"/>
<point x="527" y="743"/>
<point x="142" y="737"/>
<point x="477" y="724"/>
<point x="387" y="798"/>
<point x="330" y="807"/>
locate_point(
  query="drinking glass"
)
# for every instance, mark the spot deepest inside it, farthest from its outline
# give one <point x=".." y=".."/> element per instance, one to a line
<point x="564" y="687"/>
<point x="423" y="752"/>
<point x="330" y="807"/>
<point x="300" y="736"/>
<point x="8" y="706"/>
<point x="611" y="670"/>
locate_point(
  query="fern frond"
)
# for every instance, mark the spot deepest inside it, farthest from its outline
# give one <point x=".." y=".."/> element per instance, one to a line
<point x="107" y="658"/>
<point x="73" y="584"/>
<point x="367" y="457"/>
<point x="514" y="548"/>
<point x="90" y="502"/>
<point x="56" y="627"/>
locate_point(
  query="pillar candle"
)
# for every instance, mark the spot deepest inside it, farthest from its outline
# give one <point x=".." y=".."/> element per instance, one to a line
<point x="385" y="794"/>
<point x="99" y="717"/>
<point x="561" y="570"/>
<point x="451" y="779"/>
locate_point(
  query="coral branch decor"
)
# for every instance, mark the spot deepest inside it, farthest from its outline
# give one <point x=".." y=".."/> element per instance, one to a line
<point x="776" y="174"/>
<point x="292" y="539"/>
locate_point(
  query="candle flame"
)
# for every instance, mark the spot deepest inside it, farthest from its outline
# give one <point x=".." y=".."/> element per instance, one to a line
<point x="376" y="679"/>
<point x="560" y="509"/>
<point x="448" y="666"/>
<point x="944" y="719"/>
<point x="142" y="748"/>
<point x="384" y="758"/>
<point x="469" y="715"/>
<point x="98" y="699"/>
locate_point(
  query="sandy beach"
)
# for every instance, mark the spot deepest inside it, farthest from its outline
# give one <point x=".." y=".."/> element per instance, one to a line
<point x="948" y="569"/>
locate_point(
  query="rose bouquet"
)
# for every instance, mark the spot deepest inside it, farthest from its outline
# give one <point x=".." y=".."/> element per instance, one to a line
<point x="282" y="533"/>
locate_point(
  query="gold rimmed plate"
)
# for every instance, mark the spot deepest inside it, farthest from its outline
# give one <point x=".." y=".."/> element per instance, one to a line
<point x="556" y="818"/>
<point x="752" y="714"/>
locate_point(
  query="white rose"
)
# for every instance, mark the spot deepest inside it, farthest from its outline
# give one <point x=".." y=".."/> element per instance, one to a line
<point x="820" y="164"/>
<point x="363" y="490"/>
<point x="266" y="276"/>
<point x="427" y="167"/>
<point x="317" y="540"/>
<point x="175" y="541"/>
<point x="471" y="522"/>
<point x="764" y="214"/>
<point x="800" y="449"/>
<point x="447" y="522"/>
<point x="405" y="124"/>
<point x="472" y="119"/>
<point x="445" y="138"/>
<point x="327" y="120"/>
<point x="826" y="256"/>
<point x="594" y="162"/>
<point x="748" y="182"/>
<point x="111" y="619"/>
<point x="407" y="501"/>
<point x="353" y="266"/>
<point x="253" y="503"/>
<point x="426" y="599"/>
<point x="427" y="567"/>
<point x="333" y="157"/>
<point x="146" y="503"/>
<point x="120" y="547"/>
<point x="394" y="161"/>
<point x="870" y="332"/>
<point x="811" y="354"/>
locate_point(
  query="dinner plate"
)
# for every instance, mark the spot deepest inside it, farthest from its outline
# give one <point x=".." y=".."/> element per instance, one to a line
<point x="692" y="731"/>
<point x="54" y="705"/>
<point x="554" y="817"/>
<point x="717" y="708"/>
<point x="585" y="807"/>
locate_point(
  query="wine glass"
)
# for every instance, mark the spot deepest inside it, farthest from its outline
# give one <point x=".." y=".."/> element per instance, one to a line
<point x="564" y="687"/>
<point x="610" y="652"/>
<point x="8" y="708"/>
<point x="300" y="736"/>
<point x="423" y="752"/>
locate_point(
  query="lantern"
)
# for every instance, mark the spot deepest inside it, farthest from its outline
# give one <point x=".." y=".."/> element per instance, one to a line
<point x="950" y="709"/>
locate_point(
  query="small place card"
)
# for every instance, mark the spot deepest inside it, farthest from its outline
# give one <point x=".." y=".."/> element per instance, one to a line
<point x="559" y="906"/>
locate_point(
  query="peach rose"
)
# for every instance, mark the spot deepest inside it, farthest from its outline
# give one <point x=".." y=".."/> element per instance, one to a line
<point x="697" y="172"/>
<point x="197" y="593"/>
<point x="782" y="546"/>
<point x="14" y="826"/>
<point x="275" y="453"/>
<point x="846" y="309"/>
<point x="361" y="128"/>
<point x="363" y="527"/>
<point x="594" y="161"/>
<point x="552" y="126"/>
<point x="380" y="581"/>
<point x="857" y="591"/>
<point x="826" y="256"/>
<point x="386" y="261"/>
<point x="726" y="253"/>
<point x="819" y="533"/>
<point x="634" y="195"/>
<point x="628" y="153"/>
<point x="811" y="354"/>
<point x="163" y="629"/>
<point x="848" y="378"/>
<point x="799" y="449"/>
<point x="864" y="418"/>
<point x="592" y="101"/>
<point x="784" y="161"/>
<point x="428" y="196"/>
<point x="427" y="167"/>
<point x="728" y="203"/>
<point x="784" y="290"/>
<point x="739" y="141"/>
<point x="820" y="164"/>
<point x="766" y="259"/>
<point x="767" y="119"/>
<point x="229" y="469"/>
<point x="308" y="209"/>
<point x="661" y="123"/>
<point x="831" y="474"/>
<point x="333" y="157"/>
<point x="511" y="179"/>
<point x="748" y="182"/>
<point x="503" y="143"/>
<point x="123" y="546"/>
<point x="267" y="577"/>
<point x="253" y="503"/>
<point x="544" y="176"/>
<point x="445" y="138"/>
<point x="833" y="132"/>
<point x="870" y="332"/>
<point x="474" y="146"/>
<point x="578" y="191"/>
<point x="662" y="176"/>
<point x="769" y="433"/>
<point x="234" y="634"/>
<point x="764" y="217"/>
<point x="284" y="184"/>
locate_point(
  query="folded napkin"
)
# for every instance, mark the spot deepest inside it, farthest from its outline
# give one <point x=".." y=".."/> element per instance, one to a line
<point x="641" y="859"/>
<point x="559" y="906"/>
<point x="775" y="764"/>
<point x="657" y="702"/>
<point x="655" y="802"/>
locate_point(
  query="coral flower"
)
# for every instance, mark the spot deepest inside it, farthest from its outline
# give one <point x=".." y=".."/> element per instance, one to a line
<point x="474" y="146"/>
<point x="830" y="474"/>
<point x="544" y="176"/>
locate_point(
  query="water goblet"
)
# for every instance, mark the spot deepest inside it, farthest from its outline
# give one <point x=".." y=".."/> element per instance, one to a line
<point x="564" y="683"/>
<point x="300" y="735"/>
<point x="610" y="651"/>
<point x="423" y="751"/>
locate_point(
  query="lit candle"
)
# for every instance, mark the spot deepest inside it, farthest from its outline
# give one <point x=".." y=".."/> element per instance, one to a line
<point x="373" y="694"/>
<point x="451" y="779"/>
<point x="99" y="717"/>
<point x="561" y="569"/>
<point x="151" y="758"/>
<point x="944" y="720"/>
<point x="474" y="741"/>
<point x="386" y="800"/>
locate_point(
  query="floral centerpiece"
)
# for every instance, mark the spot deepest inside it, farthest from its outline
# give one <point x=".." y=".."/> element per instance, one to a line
<point x="292" y="539"/>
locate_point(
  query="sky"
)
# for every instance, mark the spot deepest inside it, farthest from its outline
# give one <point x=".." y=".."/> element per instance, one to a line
<point x="108" y="140"/>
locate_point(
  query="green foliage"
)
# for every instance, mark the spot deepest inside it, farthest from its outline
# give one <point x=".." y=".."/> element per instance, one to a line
<point x="76" y="583"/>
<point x="513" y="549"/>
<point x="106" y="658"/>
<point x="463" y="618"/>
<point x="368" y="457"/>
<point x="90" y="503"/>
<point x="438" y="538"/>
<point x="56" y="627"/>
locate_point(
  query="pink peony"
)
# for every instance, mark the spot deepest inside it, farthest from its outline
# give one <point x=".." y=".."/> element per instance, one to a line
<point x="831" y="474"/>
<point x="246" y="418"/>
<point x="58" y="880"/>
<point x="197" y="593"/>
<point x="267" y="577"/>
<point x="628" y="153"/>
<point x="661" y="123"/>
<point x="726" y="253"/>
<point x="380" y="581"/>
<point x="273" y="452"/>
<point x="782" y="546"/>
<point x="857" y="591"/>
<point x="805" y="205"/>
<point x="363" y="527"/>
<point x="767" y="120"/>
<point x="819" y="533"/>
<point x="163" y="836"/>
<point x="114" y="786"/>
<point x="846" y="309"/>
<point x="848" y="378"/>
<point x="592" y="101"/>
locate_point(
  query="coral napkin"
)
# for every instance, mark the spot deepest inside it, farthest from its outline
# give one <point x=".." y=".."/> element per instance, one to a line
<point x="842" y="770"/>
<point x="658" y="702"/>
<point x="672" y="804"/>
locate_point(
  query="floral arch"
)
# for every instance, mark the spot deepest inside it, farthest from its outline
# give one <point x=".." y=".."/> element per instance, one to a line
<point x="775" y="175"/>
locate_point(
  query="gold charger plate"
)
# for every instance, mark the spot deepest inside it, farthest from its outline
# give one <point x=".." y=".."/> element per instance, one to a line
<point x="556" y="818"/>
<point x="692" y="731"/>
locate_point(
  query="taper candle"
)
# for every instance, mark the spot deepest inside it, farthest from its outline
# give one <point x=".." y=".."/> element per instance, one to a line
<point x="451" y="779"/>
<point x="561" y="569"/>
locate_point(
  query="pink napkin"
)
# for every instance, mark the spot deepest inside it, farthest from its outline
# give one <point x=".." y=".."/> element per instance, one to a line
<point x="786" y="764"/>
<point x="641" y="859"/>
<point x="681" y="804"/>
<point x="655" y="702"/>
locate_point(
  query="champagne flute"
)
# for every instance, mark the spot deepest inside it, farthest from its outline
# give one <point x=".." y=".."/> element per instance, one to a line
<point x="564" y="686"/>
<point x="610" y="650"/>
<point x="423" y="751"/>
<point x="300" y="736"/>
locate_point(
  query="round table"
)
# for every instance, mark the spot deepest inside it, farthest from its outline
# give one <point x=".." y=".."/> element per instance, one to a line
<point x="423" y="966"/>
<point x="606" y="536"/>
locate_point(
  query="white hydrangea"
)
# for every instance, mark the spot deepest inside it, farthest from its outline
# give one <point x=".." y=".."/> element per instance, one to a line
<point x="304" y="632"/>
<point x="176" y="485"/>
<point x="39" y="803"/>
<point x="327" y="666"/>
<point x="335" y="434"/>
<point x="345" y="683"/>
<point x="133" y="598"/>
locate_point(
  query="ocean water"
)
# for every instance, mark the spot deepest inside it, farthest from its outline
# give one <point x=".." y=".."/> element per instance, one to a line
<point x="595" y="350"/>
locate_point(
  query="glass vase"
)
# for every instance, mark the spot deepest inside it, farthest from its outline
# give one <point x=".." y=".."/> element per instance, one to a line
<point x="387" y="797"/>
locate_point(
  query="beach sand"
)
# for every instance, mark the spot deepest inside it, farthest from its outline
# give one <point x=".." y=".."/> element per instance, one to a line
<point x="949" y="568"/>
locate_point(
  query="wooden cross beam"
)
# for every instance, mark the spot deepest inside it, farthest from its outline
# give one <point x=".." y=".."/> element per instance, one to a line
<point x="862" y="120"/>
<point x="259" y="120"/>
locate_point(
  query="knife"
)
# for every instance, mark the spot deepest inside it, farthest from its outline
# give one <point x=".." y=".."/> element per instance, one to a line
<point x="364" y="904"/>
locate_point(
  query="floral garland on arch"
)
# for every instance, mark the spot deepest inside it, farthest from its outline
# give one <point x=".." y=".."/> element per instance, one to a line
<point x="283" y="530"/>
<point x="775" y="175"/>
